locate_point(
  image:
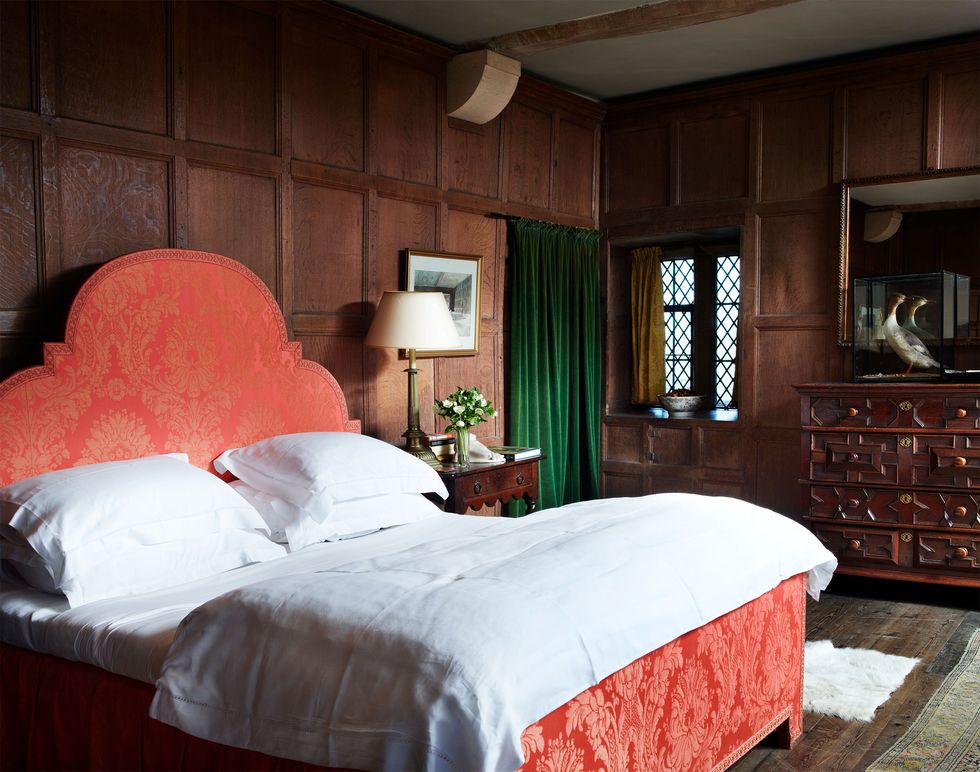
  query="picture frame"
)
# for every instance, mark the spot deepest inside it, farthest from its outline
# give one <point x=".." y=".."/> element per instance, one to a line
<point x="458" y="278"/>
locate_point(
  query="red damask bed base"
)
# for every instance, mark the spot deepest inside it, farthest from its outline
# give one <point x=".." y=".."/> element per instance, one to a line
<point x="698" y="703"/>
<point x="171" y="350"/>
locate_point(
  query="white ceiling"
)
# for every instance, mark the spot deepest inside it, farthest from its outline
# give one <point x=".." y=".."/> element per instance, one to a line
<point x="605" y="69"/>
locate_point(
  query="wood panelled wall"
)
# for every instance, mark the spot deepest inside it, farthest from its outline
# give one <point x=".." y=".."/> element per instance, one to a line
<point x="764" y="155"/>
<point x="306" y="142"/>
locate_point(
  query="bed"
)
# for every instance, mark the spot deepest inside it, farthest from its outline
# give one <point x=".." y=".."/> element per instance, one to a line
<point x="175" y="350"/>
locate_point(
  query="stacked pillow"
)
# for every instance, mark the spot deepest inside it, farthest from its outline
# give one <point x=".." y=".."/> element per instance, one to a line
<point x="324" y="486"/>
<point x="127" y="527"/>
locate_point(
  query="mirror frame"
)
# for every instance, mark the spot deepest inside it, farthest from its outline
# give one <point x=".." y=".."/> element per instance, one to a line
<point x="843" y="268"/>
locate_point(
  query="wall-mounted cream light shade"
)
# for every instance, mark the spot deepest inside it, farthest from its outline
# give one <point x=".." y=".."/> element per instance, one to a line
<point x="479" y="84"/>
<point x="881" y="224"/>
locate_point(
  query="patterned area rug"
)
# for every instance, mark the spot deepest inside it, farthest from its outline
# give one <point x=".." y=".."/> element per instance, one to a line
<point x="946" y="735"/>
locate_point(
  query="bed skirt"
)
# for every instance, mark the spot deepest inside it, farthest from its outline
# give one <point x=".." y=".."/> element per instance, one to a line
<point x="698" y="703"/>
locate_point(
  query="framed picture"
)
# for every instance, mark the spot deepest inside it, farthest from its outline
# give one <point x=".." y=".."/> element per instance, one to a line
<point x="457" y="277"/>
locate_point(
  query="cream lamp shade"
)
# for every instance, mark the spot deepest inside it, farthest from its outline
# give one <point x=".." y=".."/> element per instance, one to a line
<point x="412" y="320"/>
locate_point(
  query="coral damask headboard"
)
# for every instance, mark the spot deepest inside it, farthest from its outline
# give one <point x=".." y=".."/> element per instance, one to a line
<point x="165" y="350"/>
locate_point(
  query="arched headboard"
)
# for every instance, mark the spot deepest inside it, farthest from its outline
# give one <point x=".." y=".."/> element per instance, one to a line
<point x="165" y="350"/>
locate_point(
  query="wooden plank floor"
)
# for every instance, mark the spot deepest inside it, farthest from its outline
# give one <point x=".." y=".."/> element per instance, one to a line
<point x="930" y="622"/>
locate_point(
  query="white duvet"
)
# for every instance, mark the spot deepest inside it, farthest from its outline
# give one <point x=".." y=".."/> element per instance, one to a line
<point x="438" y="656"/>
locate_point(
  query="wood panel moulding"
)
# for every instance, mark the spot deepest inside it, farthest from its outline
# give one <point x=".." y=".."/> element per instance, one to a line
<point x="530" y="148"/>
<point x="400" y="225"/>
<point x="92" y="185"/>
<point x="484" y="371"/>
<point x="714" y="158"/>
<point x="669" y="447"/>
<point x="798" y="140"/>
<point x="885" y="128"/>
<point x="617" y="483"/>
<point x="785" y="357"/>
<point x="326" y="90"/>
<point x="237" y="215"/>
<point x="406" y="121"/>
<point x="124" y="84"/>
<point x="625" y="442"/>
<point x="16" y="55"/>
<point x="637" y="150"/>
<point x="798" y="255"/>
<point x="574" y="192"/>
<point x="722" y="449"/>
<point x="473" y="157"/>
<point x="231" y="76"/>
<point x="778" y="465"/>
<point x="19" y="265"/>
<point x="327" y="272"/>
<point x="960" y="139"/>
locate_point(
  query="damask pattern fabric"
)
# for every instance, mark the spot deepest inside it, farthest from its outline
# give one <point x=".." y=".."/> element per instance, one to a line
<point x="698" y="703"/>
<point x="164" y="350"/>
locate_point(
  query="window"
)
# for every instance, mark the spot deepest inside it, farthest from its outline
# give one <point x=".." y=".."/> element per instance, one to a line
<point x="701" y="300"/>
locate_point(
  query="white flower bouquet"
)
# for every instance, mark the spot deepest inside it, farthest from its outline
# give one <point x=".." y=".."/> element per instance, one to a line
<point x="464" y="408"/>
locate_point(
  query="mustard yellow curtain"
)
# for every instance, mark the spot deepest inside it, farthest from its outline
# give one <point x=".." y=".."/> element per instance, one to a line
<point x="648" y="326"/>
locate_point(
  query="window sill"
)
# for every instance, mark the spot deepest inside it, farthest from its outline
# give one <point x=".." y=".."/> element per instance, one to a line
<point x="660" y="414"/>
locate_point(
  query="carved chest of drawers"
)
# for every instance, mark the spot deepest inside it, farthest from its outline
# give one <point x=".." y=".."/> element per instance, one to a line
<point x="891" y="478"/>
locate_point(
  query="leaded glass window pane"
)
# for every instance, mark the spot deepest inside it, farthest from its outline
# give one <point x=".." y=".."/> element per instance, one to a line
<point x="727" y="293"/>
<point x="678" y="279"/>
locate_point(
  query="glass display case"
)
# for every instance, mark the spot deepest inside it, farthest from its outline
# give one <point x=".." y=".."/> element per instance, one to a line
<point x="905" y="326"/>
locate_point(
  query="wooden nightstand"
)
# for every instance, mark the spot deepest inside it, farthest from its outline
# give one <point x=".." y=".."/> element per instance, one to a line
<point x="477" y="485"/>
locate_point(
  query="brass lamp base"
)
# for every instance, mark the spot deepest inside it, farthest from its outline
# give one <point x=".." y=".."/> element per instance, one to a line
<point x="417" y="445"/>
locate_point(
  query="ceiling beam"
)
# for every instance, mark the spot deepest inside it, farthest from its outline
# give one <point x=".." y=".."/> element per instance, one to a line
<point x="642" y="20"/>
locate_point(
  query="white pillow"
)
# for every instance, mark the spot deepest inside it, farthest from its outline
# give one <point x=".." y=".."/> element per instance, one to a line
<point x="354" y="517"/>
<point x="125" y="527"/>
<point x="315" y="470"/>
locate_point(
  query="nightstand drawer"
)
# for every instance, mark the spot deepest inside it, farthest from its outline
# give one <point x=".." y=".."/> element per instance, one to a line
<point x="958" y="552"/>
<point x="478" y="485"/>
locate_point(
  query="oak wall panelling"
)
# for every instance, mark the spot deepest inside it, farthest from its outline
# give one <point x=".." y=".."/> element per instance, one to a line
<point x="766" y="154"/>
<point x="307" y="142"/>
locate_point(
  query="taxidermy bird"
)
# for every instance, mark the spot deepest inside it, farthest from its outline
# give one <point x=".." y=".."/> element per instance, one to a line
<point x="913" y="304"/>
<point x="906" y="344"/>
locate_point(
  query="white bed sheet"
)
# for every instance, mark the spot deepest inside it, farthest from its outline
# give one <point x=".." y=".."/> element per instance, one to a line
<point x="130" y="636"/>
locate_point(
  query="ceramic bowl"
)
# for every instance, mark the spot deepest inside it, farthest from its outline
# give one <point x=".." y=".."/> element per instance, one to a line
<point x="681" y="404"/>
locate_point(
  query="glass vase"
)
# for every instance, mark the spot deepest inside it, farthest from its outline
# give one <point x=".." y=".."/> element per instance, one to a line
<point x="462" y="445"/>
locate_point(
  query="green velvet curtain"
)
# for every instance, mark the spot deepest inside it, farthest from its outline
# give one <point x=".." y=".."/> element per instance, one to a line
<point x="555" y="362"/>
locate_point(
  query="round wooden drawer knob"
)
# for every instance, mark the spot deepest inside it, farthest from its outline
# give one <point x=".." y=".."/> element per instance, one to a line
<point x="853" y="545"/>
<point x="959" y="461"/>
<point x="960" y="413"/>
<point x="852" y="411"/>
<point x="961" y="553"/>
<point x="960" y="511"/>
<point x="852" y="503"/>
<point x="852" y="456"/>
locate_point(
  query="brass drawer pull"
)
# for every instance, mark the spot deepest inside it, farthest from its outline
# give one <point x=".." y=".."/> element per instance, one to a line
<point x="853" y="545"/>
<point x="520" y="478"/>
<point x="852" y="503"/>
<point x="960" y="511"/>
<point x="961" y="553"/>
<point x="905" y="405"/>
<point x="852" y="411"/>
<point x="960" y="413"/>
<point x="959" y="461"/>
<point x="477" y="486"/>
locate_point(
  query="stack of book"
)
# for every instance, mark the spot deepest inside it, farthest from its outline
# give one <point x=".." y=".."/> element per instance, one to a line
<point x="515" y="452"/>
<point x="443" y="446"/>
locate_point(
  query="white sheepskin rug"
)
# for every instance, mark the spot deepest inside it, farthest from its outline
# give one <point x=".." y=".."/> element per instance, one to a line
<point x="850" y="683"/>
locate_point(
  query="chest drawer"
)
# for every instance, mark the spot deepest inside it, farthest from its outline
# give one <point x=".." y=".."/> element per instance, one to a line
<point x="895" y="412"/>
<point x="953" y="551"/>
<point x="860" y="546"/>
<point x="941" y="460"/>
<point x="931" y="509"/>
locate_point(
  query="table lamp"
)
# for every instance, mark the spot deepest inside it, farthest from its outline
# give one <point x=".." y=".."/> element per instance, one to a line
<point x="413" y="320"/>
